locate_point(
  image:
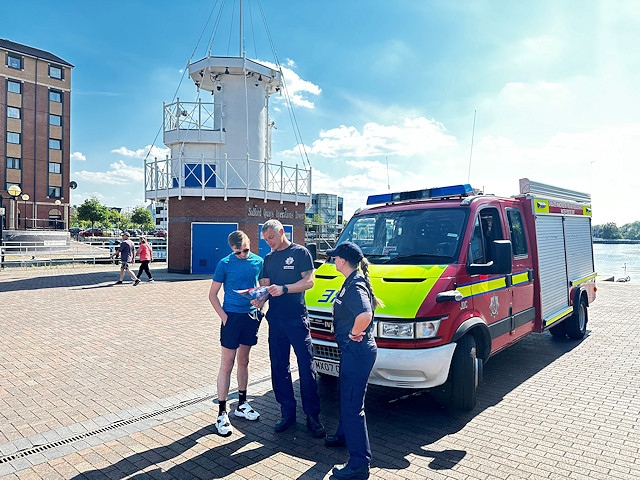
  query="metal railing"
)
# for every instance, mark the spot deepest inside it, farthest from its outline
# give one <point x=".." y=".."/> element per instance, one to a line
<point x="90" y="251"/>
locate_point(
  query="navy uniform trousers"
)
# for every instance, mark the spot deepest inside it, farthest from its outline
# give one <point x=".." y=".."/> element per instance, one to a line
<point x="356" y="362"/>
<point x="285" y="333"/>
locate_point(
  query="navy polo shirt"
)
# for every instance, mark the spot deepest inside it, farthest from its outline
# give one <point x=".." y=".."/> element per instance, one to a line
<point x="353" y="299"/>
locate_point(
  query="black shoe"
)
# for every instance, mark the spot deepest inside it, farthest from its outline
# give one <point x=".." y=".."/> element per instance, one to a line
<point x="119" y="282"/>
<point x="334" y="441"/>
<point x="315" y="426"/>
<point x="345" y="472"/>
<point x="285" y="423"/>
<point x="136" y="282"/>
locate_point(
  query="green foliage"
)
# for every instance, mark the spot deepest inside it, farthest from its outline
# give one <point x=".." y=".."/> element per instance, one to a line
<point x="143" y="218"/>
<point x="631" y="231"/>
<point x="609" y="231"/>
<point x="118" y="220"/>
<point x="92" y="211"/>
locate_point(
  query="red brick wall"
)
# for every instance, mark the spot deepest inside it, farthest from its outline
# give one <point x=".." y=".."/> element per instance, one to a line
<point x="216" y="210"/>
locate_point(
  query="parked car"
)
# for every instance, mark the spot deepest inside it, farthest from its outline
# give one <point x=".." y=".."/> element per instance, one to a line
<point x="158" y="232"/>
<point x="74" y="231"/>
<point x="134" y="232"/>
<point x="92" y="232"/>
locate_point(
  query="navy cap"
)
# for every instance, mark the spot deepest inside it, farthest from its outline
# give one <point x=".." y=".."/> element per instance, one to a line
<point x="347" y="250"/>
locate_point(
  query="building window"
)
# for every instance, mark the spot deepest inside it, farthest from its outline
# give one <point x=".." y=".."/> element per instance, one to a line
<point x="13" y="162"/>
<point x="13" y="137"/>
<point x="13" y="112"/>
<point x="14" y="87"/>
<point x="55" y="72"/>
<point x="14" y="61"/>
<point x="54" y="167"/>
<point x="55" y="120"/>
<point x="55" y="96"/>
<point x="54" y="192"/>
<point x="54" y="144"/>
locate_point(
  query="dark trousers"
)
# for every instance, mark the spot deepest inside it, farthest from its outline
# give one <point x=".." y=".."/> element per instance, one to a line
<point x="144" y="267"/>
<point x="285" y="333"/>
<point x="356" y="362"/>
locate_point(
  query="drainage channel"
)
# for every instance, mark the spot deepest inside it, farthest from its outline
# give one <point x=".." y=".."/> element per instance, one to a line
<point x="115" y="425"/>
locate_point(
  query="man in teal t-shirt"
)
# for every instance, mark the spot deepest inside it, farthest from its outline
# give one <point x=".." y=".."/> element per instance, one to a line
<point x="240" y="321"/>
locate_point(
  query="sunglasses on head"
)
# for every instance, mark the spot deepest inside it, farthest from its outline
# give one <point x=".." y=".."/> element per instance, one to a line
<point x="246" y="250"/>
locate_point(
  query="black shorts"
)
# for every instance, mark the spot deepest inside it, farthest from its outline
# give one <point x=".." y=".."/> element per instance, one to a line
<point x="240" y="329"/>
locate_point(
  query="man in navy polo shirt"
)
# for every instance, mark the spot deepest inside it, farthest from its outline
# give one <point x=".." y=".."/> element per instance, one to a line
<point x="288" y="272"/>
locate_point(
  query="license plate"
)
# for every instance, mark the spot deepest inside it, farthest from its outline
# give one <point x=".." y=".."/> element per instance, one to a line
<point x="327" y="367"/>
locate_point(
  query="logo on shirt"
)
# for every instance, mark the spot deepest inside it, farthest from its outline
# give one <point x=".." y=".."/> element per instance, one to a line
<point x="288" y="264"/>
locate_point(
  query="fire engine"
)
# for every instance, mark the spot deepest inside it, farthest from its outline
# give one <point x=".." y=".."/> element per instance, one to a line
<point x="462" y="276"/>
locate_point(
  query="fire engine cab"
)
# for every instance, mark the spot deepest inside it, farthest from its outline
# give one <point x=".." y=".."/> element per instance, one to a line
<point x="462" y="276"/>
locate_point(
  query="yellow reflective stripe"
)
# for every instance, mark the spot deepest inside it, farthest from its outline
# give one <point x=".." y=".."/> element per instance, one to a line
<point x="558" y="316"/>
<point x="583" y="279"/>
<point x="483" y="287"/>
<point x="520" y="278"/>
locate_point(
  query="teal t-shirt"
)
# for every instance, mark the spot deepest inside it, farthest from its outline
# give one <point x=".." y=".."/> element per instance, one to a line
<point x="238" y="274"/>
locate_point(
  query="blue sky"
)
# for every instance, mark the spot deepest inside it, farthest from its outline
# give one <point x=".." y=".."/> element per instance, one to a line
<point x="384" y="92"/>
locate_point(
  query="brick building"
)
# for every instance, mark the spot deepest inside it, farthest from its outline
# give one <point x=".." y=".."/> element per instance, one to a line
<point x="35" y="106"/>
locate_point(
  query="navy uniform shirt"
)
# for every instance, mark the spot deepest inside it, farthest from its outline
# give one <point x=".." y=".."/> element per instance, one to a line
<point x="285" y="267"/>
<point x="353" y="299"/>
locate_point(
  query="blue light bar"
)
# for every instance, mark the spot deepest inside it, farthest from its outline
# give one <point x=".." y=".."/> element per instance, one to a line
<point x="439" y="192"/>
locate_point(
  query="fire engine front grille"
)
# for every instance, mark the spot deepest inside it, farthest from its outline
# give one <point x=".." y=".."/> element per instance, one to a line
<point x="326" y="353"/>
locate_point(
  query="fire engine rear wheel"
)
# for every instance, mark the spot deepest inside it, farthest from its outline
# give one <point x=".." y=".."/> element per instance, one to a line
<point x="558" y="331"/>
<point x="466" y="370"/>
<point x="576" y="324"/>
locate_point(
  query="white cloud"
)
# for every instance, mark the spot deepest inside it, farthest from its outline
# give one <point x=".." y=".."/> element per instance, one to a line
<point x="142" y="153"/>
<point x="119" y="173"/>
<point x="295" y="87"/>
<point x="78" y="156"/>
<point x="410" y="137"/>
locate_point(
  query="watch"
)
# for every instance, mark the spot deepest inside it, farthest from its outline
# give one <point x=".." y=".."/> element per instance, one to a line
<point x="285" y="289"/>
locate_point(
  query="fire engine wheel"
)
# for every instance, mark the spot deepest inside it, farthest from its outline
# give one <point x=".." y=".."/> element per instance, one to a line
<point x="466" y="373"/>
<point x="576" y="324"/>
<point x="558" y="331"/>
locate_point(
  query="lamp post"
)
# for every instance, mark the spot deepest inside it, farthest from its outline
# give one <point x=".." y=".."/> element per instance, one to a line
<point x="15" y="191"/>
<point x="58" y="203"/>
<point x="25" y="198"/>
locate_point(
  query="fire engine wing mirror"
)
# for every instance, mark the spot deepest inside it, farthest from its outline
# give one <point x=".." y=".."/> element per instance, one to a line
<point x="501" y="252"/>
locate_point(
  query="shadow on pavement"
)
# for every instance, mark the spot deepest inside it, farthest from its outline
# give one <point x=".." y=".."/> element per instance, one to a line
<point x="401" y="423"/>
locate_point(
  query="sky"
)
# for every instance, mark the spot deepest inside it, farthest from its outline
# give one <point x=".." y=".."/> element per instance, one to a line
<point x="386" y="95"/>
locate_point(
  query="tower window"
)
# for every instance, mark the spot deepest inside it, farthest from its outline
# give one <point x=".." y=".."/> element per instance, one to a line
<point x="14" y="87"/>
<point x="14" y="61"/>
<point x="55" y="72"/>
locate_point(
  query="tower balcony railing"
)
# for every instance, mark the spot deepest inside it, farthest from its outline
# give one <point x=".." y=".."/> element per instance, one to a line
<point x="226" y="177"/>
<point x="191" y="121"/>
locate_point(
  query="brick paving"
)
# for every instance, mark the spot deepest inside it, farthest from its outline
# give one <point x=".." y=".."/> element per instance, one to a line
<point x="109" y="382"/>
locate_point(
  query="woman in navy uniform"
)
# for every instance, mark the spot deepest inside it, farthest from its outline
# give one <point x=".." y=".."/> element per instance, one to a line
<point x="353" y="322"/>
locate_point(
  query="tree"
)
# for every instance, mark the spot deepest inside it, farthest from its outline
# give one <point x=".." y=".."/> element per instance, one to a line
<point x="143" y="218"/>
<point x="92" y="211"/>
<point x="631" y="231"/>
<point x="117" y="219"/>
<point x="608" y="230"/>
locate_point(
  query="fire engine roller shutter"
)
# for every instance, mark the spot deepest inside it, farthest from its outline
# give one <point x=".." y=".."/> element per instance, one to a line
<point x="553" y="268"/>
<point x="579" y="248"/>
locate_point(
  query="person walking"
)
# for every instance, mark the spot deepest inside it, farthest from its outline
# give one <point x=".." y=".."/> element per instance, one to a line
<point x="352" y="322"/>
<point x="288" y="272"/>
<point x="126" y="250"/>
<point x="240" y="321"/>
<point x="145" y="251"/>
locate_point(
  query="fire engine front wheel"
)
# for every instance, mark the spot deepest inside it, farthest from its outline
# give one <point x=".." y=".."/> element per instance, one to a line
<point x="576" y="324"/>
<point x="466" y="373"/>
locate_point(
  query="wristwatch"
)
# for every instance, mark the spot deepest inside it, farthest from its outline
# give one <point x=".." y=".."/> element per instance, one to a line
<point x="285" y="289"/>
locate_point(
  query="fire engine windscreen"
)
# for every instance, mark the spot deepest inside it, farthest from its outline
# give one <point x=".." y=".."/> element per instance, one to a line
<point x="419" y="237"/>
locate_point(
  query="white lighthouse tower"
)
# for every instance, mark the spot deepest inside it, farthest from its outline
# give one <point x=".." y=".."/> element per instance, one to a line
<point x="220" y="176"/>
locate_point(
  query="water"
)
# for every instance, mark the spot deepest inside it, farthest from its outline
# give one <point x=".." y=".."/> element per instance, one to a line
<point x="611" y="259"/>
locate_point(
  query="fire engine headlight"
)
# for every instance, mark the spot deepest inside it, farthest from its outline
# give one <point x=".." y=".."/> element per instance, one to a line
<point x="395" y="330"/>
<point x="427" y="329"/>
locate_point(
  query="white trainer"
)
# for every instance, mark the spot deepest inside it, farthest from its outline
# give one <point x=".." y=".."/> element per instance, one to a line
<point x="245" y="411"/>
<point x="223" y="426"/>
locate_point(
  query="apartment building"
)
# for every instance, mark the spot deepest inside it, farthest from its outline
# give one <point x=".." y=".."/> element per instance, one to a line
<point x="35" y="107"/>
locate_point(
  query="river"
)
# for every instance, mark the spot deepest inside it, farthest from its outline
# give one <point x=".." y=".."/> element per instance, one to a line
<point x="611" y="259"/>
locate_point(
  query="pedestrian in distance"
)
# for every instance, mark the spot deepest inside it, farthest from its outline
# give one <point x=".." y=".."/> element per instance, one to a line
<point x="126" y="250"/>
<point x="288" y="272"/>
<point x="353" y="310"/>
<point x="145" y="252"/>
<point x="240" y="321"/>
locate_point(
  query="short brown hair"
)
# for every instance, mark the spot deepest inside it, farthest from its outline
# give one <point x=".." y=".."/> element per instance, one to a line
<point x="237" y="238"/>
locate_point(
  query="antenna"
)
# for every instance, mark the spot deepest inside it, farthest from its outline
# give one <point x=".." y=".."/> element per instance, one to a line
<point x="388" y="184"/>
<point x="473" y="132"/>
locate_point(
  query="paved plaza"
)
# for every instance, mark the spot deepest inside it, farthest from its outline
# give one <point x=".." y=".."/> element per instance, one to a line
<point x="103" y="381"/>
